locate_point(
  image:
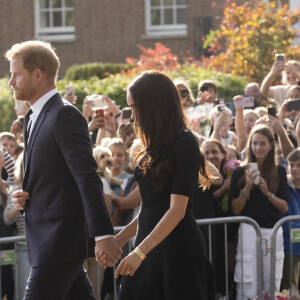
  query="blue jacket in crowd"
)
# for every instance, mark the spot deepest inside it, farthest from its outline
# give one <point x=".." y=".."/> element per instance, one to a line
<point x="294" y="209"/>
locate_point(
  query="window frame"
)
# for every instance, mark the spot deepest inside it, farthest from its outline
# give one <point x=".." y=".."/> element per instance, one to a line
<point x="164" y="30"/>
<point x="53" y="33"/>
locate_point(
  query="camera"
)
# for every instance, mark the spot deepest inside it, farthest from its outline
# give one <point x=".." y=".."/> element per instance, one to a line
<point x="280" y="57"/>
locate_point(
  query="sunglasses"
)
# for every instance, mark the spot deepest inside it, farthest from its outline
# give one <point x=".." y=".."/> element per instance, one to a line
<point x="184" y="92"/>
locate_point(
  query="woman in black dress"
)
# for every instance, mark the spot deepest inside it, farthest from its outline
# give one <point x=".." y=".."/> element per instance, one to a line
<point x="169" y="261"/>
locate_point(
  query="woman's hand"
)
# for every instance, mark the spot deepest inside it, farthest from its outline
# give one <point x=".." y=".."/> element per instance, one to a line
<point x="128" y="265"/>
<point x="250" y="179"/>
<point x="236" y="99"/>
<point x="263" y="186"/>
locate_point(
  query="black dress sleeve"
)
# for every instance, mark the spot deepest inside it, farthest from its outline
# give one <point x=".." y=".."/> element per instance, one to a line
<point x="187" y="161"/>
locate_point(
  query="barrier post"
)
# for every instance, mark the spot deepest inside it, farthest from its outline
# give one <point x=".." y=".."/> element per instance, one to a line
<point x="258" y="242"/>
<point x="273" y="250"/>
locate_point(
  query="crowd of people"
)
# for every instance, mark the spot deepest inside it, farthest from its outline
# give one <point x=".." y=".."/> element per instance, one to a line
<point x="251" y="151"/>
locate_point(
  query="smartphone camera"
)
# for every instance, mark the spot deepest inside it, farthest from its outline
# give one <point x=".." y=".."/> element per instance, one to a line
<point x="221" y="107"/>
<point x="126" y="113"/>
<point x="272" y="111"/>
<point x="280" y="57"/>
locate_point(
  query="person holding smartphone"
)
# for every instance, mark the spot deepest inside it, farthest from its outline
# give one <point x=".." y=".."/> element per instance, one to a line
<point x="207" y="92"/>
<point x="290" y="76"/>
<point x="262" y="196"/>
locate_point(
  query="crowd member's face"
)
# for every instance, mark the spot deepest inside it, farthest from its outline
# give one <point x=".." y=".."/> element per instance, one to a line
<point x="289" y="127"/>
<point x="295" y="169"/>
<point x="119" y="158"/>
<point x="22" y="82"/>
<point x="183" y="93"/>
<point x="9" y="146"/>
<point x="230" y="154"/>
<point x="213" y="154"/>
<point x="260" y="146"/>
<point x="290" y="73"/>
<point x="131" y="105"/>
<point x="212" y="95"/>
<point x="16" y="127"/>
<point x="253" y="91"/>
<point x="249" y="120"/>
<point x="294" y="94"/>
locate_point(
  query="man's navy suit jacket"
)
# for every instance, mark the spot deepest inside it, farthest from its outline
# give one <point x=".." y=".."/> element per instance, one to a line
<point x="65" y="192"/>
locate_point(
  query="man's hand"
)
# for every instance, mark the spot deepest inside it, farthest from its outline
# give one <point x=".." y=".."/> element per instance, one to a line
<point x="19" y="199"/>
<point x="107" y="251"/>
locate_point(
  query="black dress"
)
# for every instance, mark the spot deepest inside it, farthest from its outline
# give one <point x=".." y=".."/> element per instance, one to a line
<point x="178" y="267"/>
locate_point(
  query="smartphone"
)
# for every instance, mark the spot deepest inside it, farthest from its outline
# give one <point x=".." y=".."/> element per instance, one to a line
<point x="97" y="100"/>
<point x="294" y="105"/>
<point x="272" y="111"/>
<point x="100" y="112"/>
<point x="245" y="102"/>
<point x="126" y="113"/>
<point x="280" y="57"/>
<point x="253" y="166"/>
<point x="221" y="107"/>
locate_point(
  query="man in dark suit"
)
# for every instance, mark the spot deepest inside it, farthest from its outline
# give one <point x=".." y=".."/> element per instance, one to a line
<point x="62" y="194"/>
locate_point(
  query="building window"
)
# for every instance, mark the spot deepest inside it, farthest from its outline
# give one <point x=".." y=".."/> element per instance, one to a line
<point x="278" y="3"/>
<point x="165" y="17"/>
<point x="54" y="20"/>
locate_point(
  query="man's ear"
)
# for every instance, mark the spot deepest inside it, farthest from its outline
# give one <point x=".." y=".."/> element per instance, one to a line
<point x="37" y="73"/>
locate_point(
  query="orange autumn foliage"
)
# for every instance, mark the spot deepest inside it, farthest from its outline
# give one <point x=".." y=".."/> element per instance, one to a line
<point x="248" y="38"/>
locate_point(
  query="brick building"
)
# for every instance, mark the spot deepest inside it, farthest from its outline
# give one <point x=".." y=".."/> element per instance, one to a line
<point x="109" y="30"/>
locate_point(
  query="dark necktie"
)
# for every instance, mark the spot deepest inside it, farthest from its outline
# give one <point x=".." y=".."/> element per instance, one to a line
<point x="27" y="125"/>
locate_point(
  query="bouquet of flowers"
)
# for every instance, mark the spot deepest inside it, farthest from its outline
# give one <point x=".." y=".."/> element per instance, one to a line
<point x="278" y="296"/>
<point x="228" y="170"/>
<point x="198" y="118"/>
<point x="230" y="166"/>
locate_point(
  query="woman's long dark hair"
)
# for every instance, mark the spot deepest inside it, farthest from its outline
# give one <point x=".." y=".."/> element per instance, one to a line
<point x="269" y="171"/>
<point x="159" y="122"/>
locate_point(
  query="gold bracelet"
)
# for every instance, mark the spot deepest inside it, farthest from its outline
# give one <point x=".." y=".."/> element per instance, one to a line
<point x="139" y="253"/>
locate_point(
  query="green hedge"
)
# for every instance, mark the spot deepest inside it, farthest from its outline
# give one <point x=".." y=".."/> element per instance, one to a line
<point x="100" y="70"/>
<point x="7" y="105"/>
<point x="114" y="86"/>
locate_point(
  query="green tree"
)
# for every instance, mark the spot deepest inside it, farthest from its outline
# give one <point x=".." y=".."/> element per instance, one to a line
<point x="7" y="104"/>
<point x="248" y="38"/>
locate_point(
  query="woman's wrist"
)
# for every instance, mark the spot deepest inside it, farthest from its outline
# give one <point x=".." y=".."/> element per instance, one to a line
<point x="139" y="253"/>
<point x="271" y="197"/>
<point x="245" y="192"/>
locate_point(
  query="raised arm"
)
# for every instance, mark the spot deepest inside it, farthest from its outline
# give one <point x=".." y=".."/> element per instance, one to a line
<point x="240" y="127"/>
<point x="276" y="69"/>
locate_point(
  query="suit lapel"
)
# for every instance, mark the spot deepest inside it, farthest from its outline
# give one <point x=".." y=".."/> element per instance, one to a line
<point x="35" y="129"/>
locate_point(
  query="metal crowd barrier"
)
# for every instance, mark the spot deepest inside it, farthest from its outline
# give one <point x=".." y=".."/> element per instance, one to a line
<point x="273" y="253"/>
<point x="209" y="222"/>
<point x="225" y="221"/>
<point x="10" y="240"/>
